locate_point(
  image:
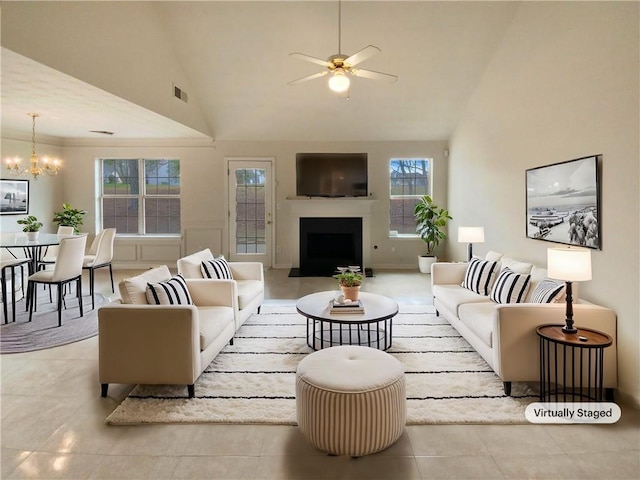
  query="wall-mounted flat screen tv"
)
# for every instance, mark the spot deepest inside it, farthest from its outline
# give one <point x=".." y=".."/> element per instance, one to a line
<point x="331" y="175"/>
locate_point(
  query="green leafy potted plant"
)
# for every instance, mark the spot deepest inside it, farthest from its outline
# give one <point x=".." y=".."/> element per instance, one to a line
<point x="69" y="217"/>
<point x="349" y="278"/>
<point x="431" y="221"/>
<point x="31" y="226"/>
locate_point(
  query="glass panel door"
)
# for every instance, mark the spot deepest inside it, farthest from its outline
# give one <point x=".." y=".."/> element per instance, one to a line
<point x="250" y="222"/>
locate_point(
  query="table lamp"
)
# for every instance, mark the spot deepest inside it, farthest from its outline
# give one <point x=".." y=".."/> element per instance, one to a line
<point x="470" y="235"/>
<point x="570" y="264"/>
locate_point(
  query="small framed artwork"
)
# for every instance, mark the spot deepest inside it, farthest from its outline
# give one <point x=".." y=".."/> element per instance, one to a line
<point x="14" y="197"/>
<point x="563" y="202"/>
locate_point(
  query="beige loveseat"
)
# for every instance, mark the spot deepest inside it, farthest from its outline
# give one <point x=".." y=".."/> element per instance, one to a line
<point x="248" y="281"/>
<point x="163" y="344"/>
<point x="505" y="334"/>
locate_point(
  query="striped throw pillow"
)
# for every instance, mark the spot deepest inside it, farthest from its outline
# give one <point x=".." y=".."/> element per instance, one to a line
<point x="510" y="287"/>
<point x="548" y="291"/>
<point x="216" y="268"/>
<point x="479" y="275"/>
<point x="171" y="292"/>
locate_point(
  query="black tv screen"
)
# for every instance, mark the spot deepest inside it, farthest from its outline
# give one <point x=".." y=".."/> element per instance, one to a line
<point x="331" y="174"/>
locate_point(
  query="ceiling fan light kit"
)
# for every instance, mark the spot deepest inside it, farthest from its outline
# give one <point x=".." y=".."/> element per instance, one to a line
<point x="341" y="67"/>
<point x="339" y="82"/>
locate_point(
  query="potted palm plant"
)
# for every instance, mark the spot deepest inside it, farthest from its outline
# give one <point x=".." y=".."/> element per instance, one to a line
<point x="31" y="226"/>
<point x="69" y="217"/>
<point x="349" y="279"/>
<point x="430" y="223"/>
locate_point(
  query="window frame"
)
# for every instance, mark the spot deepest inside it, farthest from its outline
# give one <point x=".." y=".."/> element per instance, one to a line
<point x="141" y="196"/>
<point x="392" y="197"/>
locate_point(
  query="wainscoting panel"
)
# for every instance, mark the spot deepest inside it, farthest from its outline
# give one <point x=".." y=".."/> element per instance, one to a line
<point x="141" y="252"/>
<point x="124" y="252"/>
<point x="160" y="252"/>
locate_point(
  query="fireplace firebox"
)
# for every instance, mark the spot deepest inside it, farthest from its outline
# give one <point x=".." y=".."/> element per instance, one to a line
<point x="327" y="243"/>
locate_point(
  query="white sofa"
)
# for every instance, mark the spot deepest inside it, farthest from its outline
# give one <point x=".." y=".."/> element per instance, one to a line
<point x="248" y="281"/>
<point x="505" y="334"/>
<point x="163" y="344"/>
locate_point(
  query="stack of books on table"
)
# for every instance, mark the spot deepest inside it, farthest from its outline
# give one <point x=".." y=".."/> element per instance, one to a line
<point x="337" y="307"/>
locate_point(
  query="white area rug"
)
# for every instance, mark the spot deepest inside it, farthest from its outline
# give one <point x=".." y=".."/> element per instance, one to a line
<point x="253" y="381"/>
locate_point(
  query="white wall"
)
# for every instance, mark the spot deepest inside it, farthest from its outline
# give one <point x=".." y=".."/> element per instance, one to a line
<point x="390" y="252"/>
<point x="563" y="85"/>
<point x="204" y="203"/>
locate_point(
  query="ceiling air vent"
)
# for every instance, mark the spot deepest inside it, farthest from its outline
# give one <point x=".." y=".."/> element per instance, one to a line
<point x="180" y="94"/>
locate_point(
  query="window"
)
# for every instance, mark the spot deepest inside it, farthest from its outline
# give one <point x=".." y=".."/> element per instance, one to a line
<point x="141" y="196"/>
<point x="409" y="180"/>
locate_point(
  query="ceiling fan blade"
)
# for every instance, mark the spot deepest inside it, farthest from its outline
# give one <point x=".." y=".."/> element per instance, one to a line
<point x="359" y="72"/>
<point x="308" y="77"/>
<point x="358" y="57"/>
<point x="311" y="59"/>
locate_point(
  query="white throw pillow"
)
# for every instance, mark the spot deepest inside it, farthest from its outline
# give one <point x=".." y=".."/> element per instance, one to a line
<point x="479" y="276"/>
<point x="493" y="256"/>
<point x="515" y="265"/>
<point x="548" y="291"/>
<point x="171" y="292"/>
<point x="216" y="268"/>
<point x="510" y="287"/>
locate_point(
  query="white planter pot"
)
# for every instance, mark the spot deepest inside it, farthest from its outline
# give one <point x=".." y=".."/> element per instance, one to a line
<point x="424" y="263"/>
<point x="32" y="236"/>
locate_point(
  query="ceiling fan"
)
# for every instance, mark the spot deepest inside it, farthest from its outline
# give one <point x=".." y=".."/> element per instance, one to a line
<point x="341" y="66"/>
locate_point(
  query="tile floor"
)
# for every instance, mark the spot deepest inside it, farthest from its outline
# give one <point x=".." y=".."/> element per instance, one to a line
<point x="52" y="427"/>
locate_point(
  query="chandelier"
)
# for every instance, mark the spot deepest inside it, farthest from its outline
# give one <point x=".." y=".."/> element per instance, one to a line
<point x="49" y="166"/>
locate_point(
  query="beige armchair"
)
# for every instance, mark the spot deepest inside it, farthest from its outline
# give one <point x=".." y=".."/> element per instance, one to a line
<point x="163" y="344"/>
<point x="248" y="278"/>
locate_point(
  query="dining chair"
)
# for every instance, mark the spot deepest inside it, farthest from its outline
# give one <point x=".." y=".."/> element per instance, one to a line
<point x="67" y="269"/>
<point x="9" y="266"/>
<point x="99" y="255"/>
<point x="49" y="258"/>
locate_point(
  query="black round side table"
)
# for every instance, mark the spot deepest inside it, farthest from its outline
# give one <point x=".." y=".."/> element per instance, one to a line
<point x="573" y="363"/>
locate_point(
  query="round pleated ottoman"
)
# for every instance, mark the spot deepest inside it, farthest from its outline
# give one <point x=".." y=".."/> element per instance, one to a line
<point x="351" y="400"/>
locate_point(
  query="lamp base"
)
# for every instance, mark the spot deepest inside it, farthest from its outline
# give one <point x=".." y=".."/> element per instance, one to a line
<point x="568" y="321"/>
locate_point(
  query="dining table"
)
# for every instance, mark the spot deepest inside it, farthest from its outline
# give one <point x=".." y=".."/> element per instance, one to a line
<point x="35" y="250"/>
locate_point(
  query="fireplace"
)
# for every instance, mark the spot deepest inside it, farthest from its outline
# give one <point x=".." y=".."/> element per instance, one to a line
<point x="326" y="243"/>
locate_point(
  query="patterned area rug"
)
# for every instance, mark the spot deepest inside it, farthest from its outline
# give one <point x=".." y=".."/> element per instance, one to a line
<point x="253" y="381"/>
<point x="43" y="331"/>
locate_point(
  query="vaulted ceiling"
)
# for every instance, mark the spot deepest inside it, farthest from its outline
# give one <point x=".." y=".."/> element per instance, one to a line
<point x="232" y="59"/>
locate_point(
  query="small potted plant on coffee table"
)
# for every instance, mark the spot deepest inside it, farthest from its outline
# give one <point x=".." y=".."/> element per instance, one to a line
<point x="350" y="278"/>
<point x="31" y="226"/>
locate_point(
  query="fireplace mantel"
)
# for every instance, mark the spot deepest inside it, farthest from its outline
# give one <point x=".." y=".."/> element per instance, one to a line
<point x="330" y="207"/>
<point x="301" y="207"/>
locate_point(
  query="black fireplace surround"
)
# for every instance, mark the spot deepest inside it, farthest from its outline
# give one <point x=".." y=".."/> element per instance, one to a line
<point x="328" y="243"/>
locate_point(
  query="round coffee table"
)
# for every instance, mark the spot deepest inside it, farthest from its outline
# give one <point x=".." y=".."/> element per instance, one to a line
<point x="373" y="328"/>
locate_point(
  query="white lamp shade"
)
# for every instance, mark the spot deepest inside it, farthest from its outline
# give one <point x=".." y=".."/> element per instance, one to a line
<point x="569" y="264"/>
<point x="471" y="234"/>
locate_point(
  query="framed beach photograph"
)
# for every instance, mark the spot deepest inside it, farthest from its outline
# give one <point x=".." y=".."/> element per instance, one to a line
<point x="15" y="197"/>
<point x="563" y="202"/>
